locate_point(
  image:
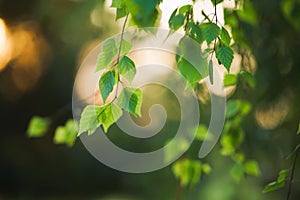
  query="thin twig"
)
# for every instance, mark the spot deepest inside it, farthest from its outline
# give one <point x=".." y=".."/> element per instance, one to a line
<point x="293" y="171"/>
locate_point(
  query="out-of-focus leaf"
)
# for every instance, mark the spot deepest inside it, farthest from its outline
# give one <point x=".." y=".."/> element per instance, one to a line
<point x="298" y="131"/>
<point x="131" y="99"/>
<point x="248" y="14"/>
<point x="66" y="134"/>
<point x="216" y="1"/>
<point x="187" y="171"/>
<point x="230" y="80"/>
<point x="37" y="127"/>
<point x="237" y="172"/>
<point x="251" y="167"/>
<point x="248" y="78"/>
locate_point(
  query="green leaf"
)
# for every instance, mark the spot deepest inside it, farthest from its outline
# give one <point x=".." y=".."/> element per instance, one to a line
<point x="232" y="109"/>
<point x="117" y="3"/>
<point x="225" y="37"/>
<point x="106" y="83"/>
<point x="120" y="13"/>
<point x="237" y="172"/>
<point x="187" y="171"/>
<point x="279" y="183"/>
<point x="66" y="134"/>
<point x="189" y="72"/>
<point x="206" y="168"/>
<point x="131" y="99"/>
<point x="110" y="114"/>
<point x="230" y="80"/>
<point x="127" y="68"/>
<point x="109" y="51"/>
<point x="248" y="14"/>
<point x="225" y="56"/>
<point x="298" y="131"/>
<point x="195" y="32"/>
<point x="38" y="126"/>
<point x="126" y="47"/>
<point x="210" y="31"/>
<point x="89" y="119"/>
<point x="176" y="22"/>
<point x="211" y="72"/>
<point x="249" y="78"/>
<point x="251" y="167"/>
<point x="184" y="9"/>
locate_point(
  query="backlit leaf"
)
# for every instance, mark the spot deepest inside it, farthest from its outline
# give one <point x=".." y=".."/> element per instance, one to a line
<point x="225" y="56"/>
<point x="66" y="134"/>
<point x="38" y="126"/>
<point x="108" y="53"/>
<point x="225" y="37"/>
<point x="106" y="83"/>
<point x="210" y="31"/>
<point x="130" y="100"/>
<point x="230" y="80"/>
<point x="127" y="68"/>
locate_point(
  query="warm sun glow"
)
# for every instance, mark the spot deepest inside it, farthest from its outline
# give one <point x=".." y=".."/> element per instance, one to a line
<point x="5" y="45"/>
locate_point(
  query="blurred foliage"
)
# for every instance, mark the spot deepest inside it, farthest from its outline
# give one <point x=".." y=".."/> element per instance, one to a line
<point x="265" y="35"/>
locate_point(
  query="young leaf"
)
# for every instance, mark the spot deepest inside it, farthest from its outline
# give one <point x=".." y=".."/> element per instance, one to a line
<point x="176" y="22"/>
<point x="37" y="126"/>
<point x="189" y="72"/>
<point x="107" y="83"/>
<point x="109" y="51"/>
<point x="184" y="9"/>
<point x="66" y="134"/>
<point x="126" y="47"/>
<point x="117" y="3"/>
<point x="131" y="99"/>
<point x="225" y="37"/>
<point x="248" y="78"/>
<point x="89" y="119"/>
<point x="110" y="114"/>
<point x="229" y="80"/>
<point x="121" y="12"/>
<point x="225" y="56"/>
<point x="251" y="167"/>
<point x="210" y="31"/>
<point x="127" y="68"/>
<point x="279" y="183"/>
<point x="211" y="72"/>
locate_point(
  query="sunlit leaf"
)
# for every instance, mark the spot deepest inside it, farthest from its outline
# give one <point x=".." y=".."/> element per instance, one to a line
<point x="89" y="119"/>
<point x="210" y="31"/>
<point x="109" y="51"/>
<point x="225" y="37"/>
<point x="38" y="126"/>
<point x="189" y="72"/>
<point x="187" y="171"/>
<point x="184" y="9"/>
<point x="176" y="22"/>
<point x="110" y="114"/>
<point x="251" y="167"/>
<point x="127" y="68"/>
<point x="225" y="56"/>
<point x="117" y="3"/>
<point x="230" y="80"/>
<point x="130" y="100"/>
<point x="66" y="134"/>
<point x="279" y="183"/>
<point x="237" y="172"/>
<point x="106" y="83"/>
<point x="206" y="168"/>
<point x="120" y="13"/>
